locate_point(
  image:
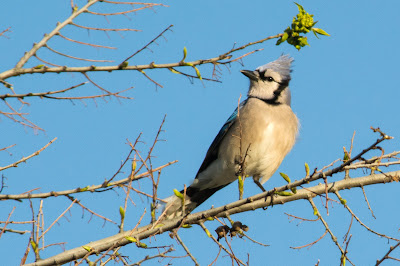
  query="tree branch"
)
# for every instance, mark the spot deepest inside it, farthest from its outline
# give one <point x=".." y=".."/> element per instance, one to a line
<point x="249" y="204"/>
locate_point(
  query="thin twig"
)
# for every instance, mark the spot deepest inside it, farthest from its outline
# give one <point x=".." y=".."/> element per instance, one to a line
<point x="386" y="256"/>
<point x="39" y="94"/>
<point x="7" y="221"/>
<point x="361" y="223"/>
<point x="85" y="43"/>
<point x="24" y="159"/>
<point x="366" y="200"/>
<point x="333" y="237"/>
<point x="312" y="243"/>
<point x="219" y="244"/>
<point x="186" y="249"/>
<point x="94" y="188"/>
<point x="149" y="43"/>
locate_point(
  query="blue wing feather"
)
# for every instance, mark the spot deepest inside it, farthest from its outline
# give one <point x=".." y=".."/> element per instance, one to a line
<point x="212" y="153"/>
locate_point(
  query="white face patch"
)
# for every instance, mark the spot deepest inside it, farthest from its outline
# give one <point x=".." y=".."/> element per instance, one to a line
<point x="269" y="76"/>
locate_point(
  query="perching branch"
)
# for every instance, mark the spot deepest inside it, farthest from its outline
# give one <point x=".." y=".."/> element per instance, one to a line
<point x="249" y="204"/>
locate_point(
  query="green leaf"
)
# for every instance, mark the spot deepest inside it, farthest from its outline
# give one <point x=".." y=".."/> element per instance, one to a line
<point x="198" y="73"/>
<point x="178" y="194"/>
<point x="343" y="201"/>
<point x="307" y="169"/>
<point x="284" y="193"/>
<point x="131" y="239"/>
<point x="284" y="37"/>
<point x="173" y="70"/>
<point x="87" y="248"/>
<point x="184" y="53"/>
<point x="133" y="166"/>
<point x="121" y="212"/>
<point x="241" y="184"/>
<point x="34" y="245"/>
<point x="38" y="66"/>
<point x="207" y="232"/>
<point x="301" y="9"/>
<point x="320" y="31"/>
<point x="285" y="176"/>
<point x="83" y="189"/>
<point x="142" y="245"/>
<point x="186" y="226"/>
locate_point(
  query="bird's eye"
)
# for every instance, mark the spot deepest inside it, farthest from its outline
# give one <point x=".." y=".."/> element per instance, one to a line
<point x="269" y="79"/>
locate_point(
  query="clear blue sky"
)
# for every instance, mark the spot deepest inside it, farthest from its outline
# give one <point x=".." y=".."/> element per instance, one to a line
<point x="341" y="84"/>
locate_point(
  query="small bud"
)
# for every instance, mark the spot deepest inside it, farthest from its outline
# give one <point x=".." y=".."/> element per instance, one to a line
<point x="159" y="225"/>
<point x="173" y="70"/>
<point x="133" y="166"/>
<point x="320" y="31"/>
<point x="207" y="232"/>
<point x="124" y="64"/>
<point x="142" y="245"/>
<point x="178" y="194"/>
<point x="38" y="66"/>
<point x="285" y="36"/>
<point x="198" y="73"/>
<point x="307" y="169"/>
<point x="284" y="193"/>
<point x="285" y="176"/>
<point x="184" y="53"/>
<point x="186" y="226"/>
<point x="83" y="189"/>
<point x="34" y="245"/>
<point x="121" y="212"/>
<point x="343" y="201"/>
<point x="87" y="248"/>
<point x="131" y="239"/>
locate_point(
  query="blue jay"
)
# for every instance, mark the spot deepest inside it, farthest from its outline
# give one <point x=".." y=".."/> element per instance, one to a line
<point x="252" y="142"/>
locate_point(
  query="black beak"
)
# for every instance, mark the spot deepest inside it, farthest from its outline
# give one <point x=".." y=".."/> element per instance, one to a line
<point x="250" y="74"/>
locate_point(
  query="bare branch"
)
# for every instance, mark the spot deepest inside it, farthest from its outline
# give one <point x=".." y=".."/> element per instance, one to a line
<point x="4" y="31"/>
<point x="249" y="204"/>
<point x="101" y="29"/>
<point x="85" y="43"/>
<point x="7" y="222"/>
<point x="93" y="188"/>
<point x="186" y="249"/>
<point x="147" y="5"/>
<point x="74" y="57"/>
<point x="378" y="262"/>
<point x="24" y="159"/>
<point x="149" y="43"/>
<point x="39" y="94"/>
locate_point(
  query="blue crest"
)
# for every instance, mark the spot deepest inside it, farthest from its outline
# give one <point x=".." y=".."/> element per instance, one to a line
<point x="280" y="65"/>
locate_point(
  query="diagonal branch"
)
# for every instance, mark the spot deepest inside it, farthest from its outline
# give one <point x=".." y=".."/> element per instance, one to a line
<point x="248" y="204"/>
<point x="24" y="159"/>
<point x="94" y="188"/>
<point x="39" y="94"/>
<point x="47" y="37"/>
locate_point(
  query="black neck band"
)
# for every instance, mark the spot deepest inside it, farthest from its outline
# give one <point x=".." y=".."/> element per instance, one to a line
<point x="273" y="101"/>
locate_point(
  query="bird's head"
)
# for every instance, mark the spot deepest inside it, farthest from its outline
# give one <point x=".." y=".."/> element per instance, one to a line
<point x="270" y="82"/>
